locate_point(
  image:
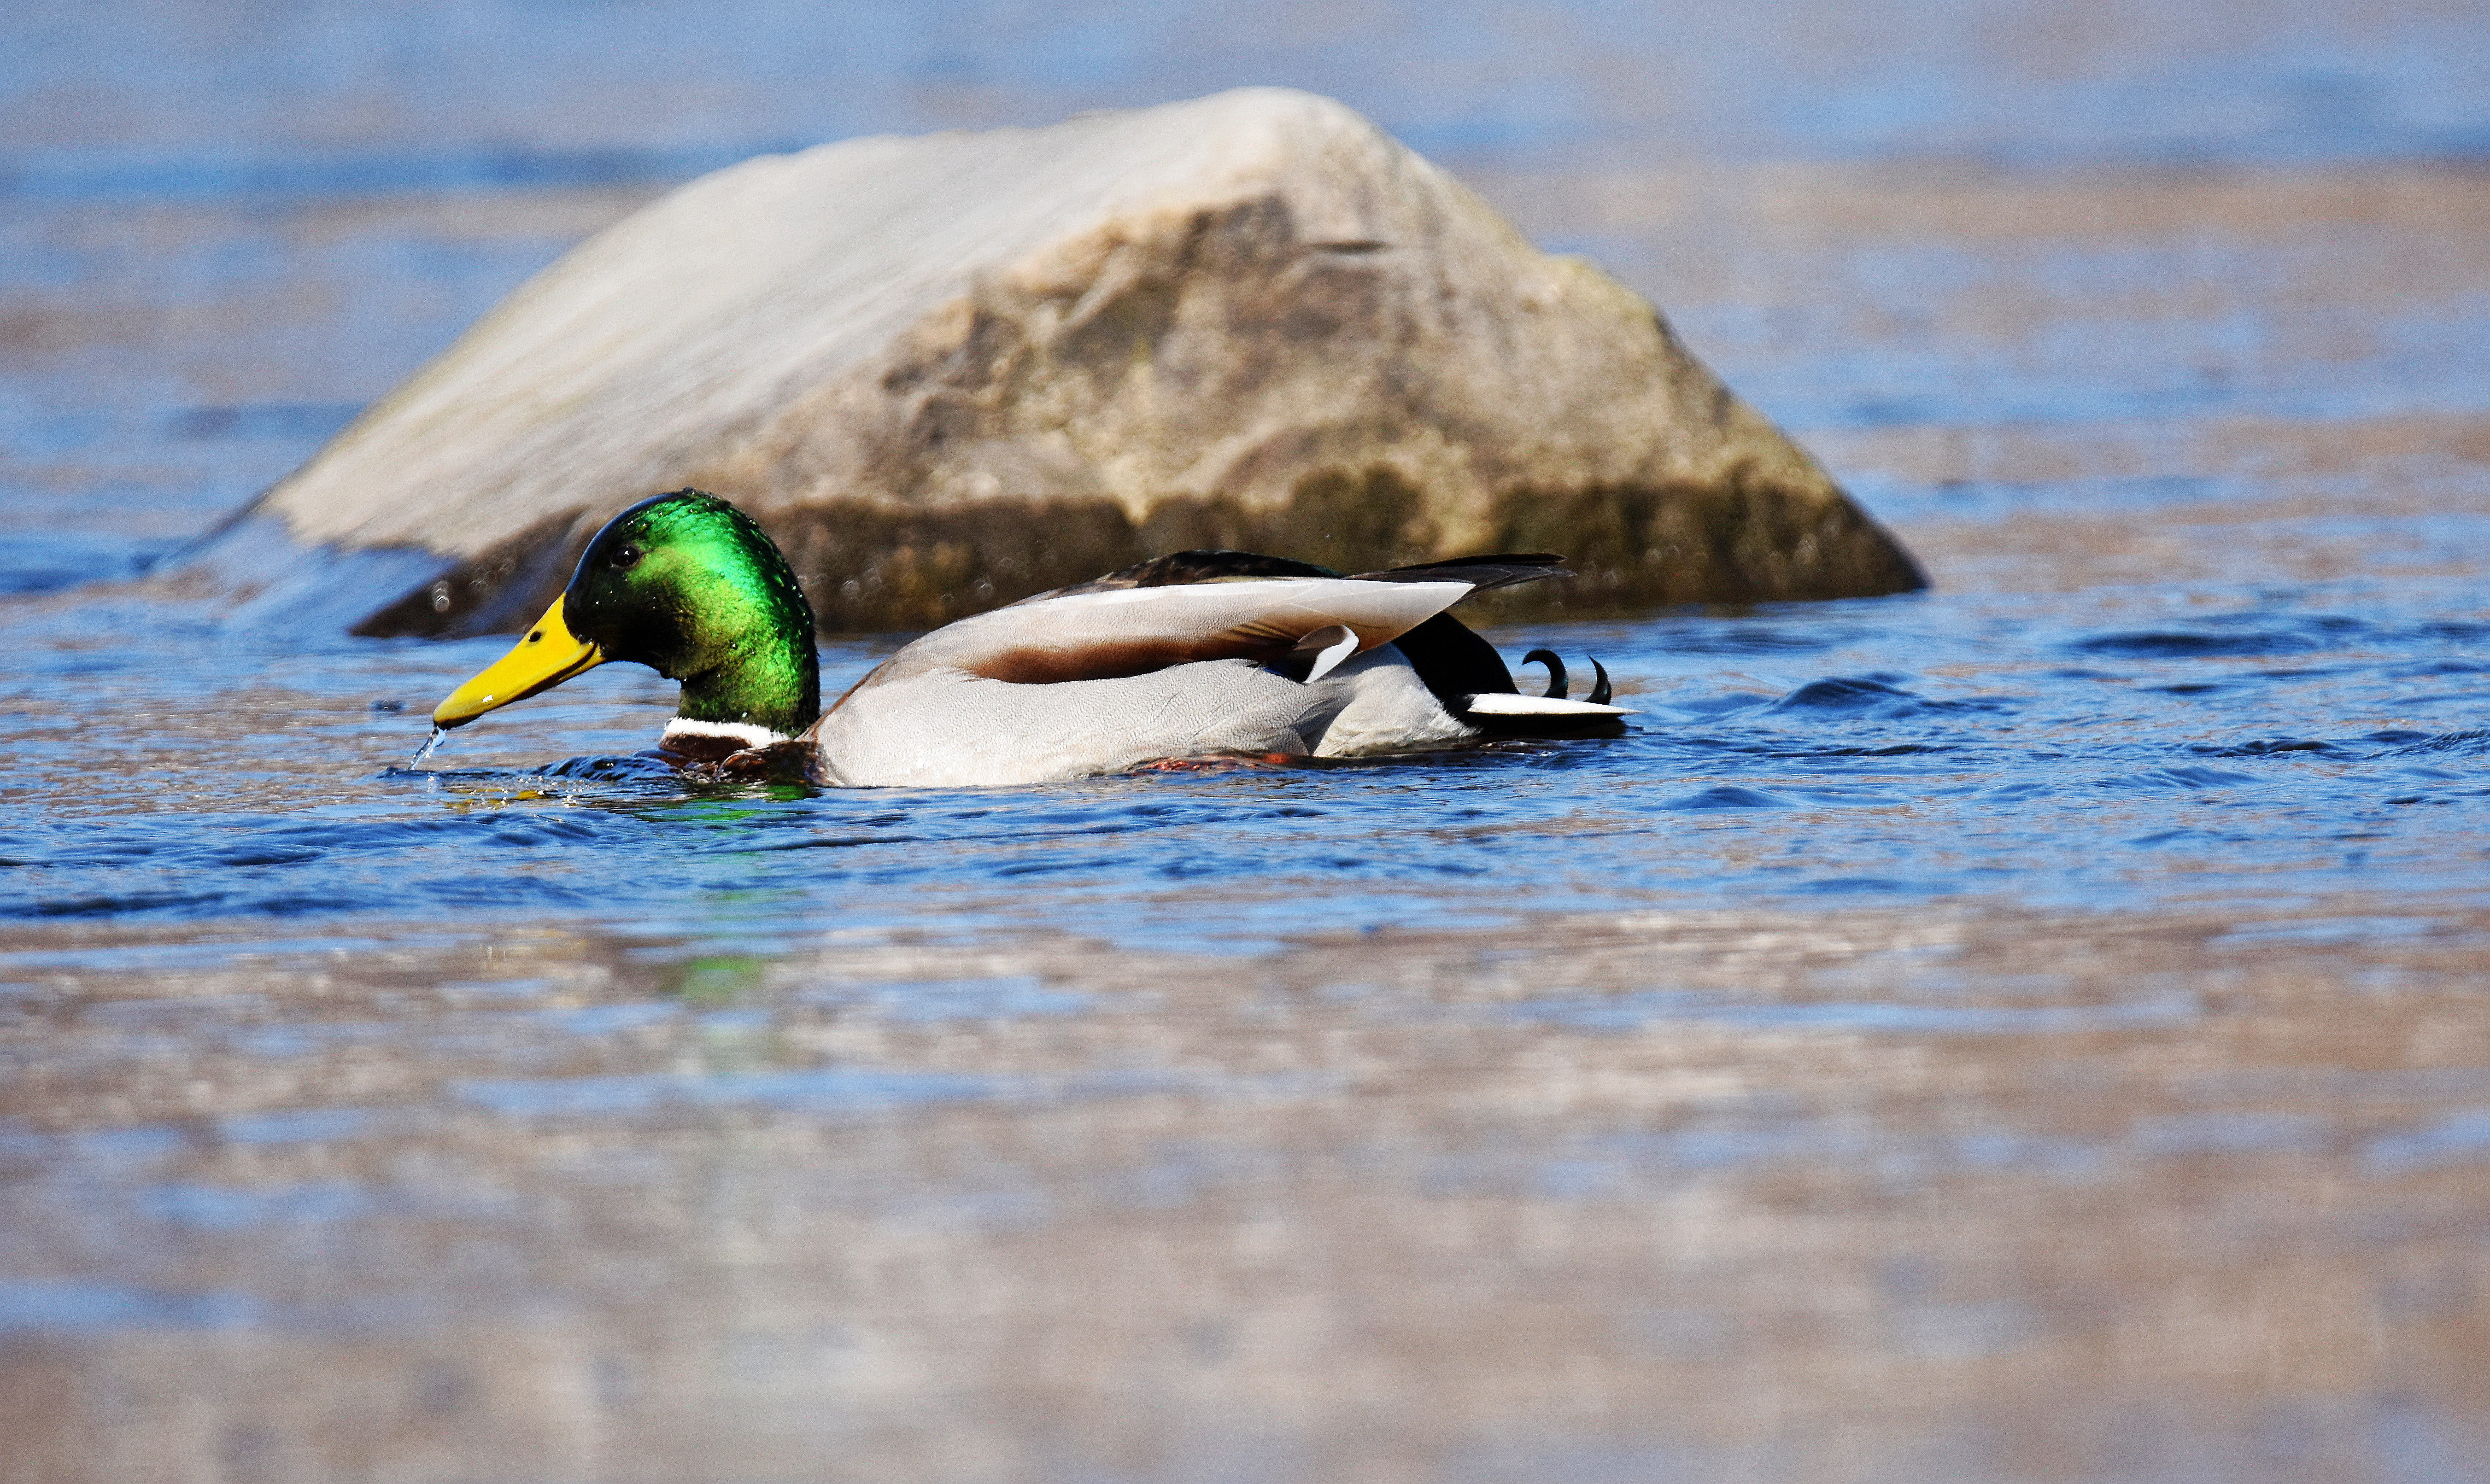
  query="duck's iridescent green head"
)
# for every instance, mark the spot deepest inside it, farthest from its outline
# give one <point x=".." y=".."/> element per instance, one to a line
<point x="690" y="586"/>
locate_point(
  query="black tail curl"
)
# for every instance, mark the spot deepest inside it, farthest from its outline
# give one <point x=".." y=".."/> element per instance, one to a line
<point x="1556" y="684"/>
<point x="1555" y="670"/>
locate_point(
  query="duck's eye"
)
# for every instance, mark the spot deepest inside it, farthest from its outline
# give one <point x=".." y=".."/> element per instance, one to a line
<point x="627" y="555"/>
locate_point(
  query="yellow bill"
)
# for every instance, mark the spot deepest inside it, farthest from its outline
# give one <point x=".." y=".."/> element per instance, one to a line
<point x="545" y="657"/>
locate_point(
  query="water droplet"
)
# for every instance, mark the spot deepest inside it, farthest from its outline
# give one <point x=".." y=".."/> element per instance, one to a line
<point x="440" y="734"/>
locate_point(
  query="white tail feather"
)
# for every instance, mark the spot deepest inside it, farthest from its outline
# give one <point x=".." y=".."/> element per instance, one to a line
<point x="1497" y="704"/>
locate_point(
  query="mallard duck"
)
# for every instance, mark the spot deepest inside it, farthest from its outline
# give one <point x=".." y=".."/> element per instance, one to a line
<point x="1197" y="655"/>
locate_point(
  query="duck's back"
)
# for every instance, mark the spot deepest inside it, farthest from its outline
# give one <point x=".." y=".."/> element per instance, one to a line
<point x="1101" y="682"/>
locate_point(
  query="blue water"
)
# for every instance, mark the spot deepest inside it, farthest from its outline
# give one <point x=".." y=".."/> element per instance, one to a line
<point x="403" y="97"/>
<point x="2105" y="749"/>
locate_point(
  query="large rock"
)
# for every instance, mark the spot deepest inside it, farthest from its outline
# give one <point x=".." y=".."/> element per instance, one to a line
<point x="949" y="371"/>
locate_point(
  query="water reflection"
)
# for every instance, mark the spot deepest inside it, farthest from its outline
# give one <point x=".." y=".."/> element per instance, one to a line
<point x="2010" y="1183"/>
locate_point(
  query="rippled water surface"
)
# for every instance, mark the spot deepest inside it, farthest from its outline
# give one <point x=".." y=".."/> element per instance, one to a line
<point x="2030" y="1029"/>
<point x="2095" y="750"/>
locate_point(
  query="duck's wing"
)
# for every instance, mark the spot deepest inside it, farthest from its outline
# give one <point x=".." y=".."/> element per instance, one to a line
<point x="1499" y="569"/>
<point x="1134" y="631"/>
<point x="1180" y="568"/>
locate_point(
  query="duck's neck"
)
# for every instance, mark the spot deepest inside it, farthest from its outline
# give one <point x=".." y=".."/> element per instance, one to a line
<point x="773" y="682"/>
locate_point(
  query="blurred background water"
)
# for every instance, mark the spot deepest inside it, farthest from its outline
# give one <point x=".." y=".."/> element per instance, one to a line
<point x="2030" y="1029"/>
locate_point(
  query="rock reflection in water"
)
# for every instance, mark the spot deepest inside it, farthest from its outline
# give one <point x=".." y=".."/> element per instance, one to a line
<point x="1963" y="1191"/>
